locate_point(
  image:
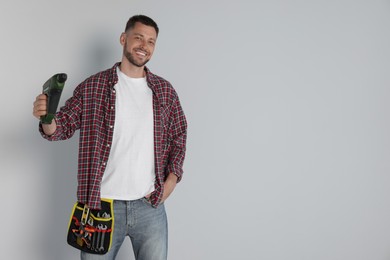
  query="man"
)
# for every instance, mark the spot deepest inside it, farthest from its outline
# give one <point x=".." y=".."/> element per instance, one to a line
<point x="132" y="142"/>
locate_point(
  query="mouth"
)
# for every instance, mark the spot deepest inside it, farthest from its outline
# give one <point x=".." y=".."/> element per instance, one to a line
<point x="141" y="53"/>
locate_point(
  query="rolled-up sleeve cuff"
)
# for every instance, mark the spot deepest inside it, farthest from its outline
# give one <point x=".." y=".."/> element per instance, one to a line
<point x="178" y="171"/>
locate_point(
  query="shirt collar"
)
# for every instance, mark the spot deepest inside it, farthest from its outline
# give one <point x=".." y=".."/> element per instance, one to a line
<point x="150" y="77"/>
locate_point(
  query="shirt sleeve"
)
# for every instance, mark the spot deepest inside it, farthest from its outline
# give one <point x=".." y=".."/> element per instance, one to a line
<point x="178" y="137"/>
<point x="67" y="118"/>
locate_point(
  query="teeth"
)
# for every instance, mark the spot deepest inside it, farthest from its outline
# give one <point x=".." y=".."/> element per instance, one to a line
<point x="141" y="53"/>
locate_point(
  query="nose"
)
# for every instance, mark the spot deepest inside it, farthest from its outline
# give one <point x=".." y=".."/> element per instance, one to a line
<point x="142" y="44"/>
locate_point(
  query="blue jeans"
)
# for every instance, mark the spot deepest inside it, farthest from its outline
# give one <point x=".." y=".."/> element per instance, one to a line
<point x="146" y="226"/>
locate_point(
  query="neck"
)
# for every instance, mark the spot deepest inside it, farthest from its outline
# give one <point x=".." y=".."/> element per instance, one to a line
<point x="131" y="70"/>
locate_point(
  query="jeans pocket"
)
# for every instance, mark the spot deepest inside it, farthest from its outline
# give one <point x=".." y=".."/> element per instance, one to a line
<point x="146" y="201"/>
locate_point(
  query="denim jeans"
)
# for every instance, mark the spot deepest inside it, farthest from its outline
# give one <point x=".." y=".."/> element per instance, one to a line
<point x="146" y="226"/>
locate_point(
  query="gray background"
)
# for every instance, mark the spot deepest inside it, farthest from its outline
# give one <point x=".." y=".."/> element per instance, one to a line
<point x="288" y="109"/>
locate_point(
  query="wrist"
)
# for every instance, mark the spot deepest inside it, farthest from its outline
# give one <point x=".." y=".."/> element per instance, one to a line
<point x="49" y="129"/>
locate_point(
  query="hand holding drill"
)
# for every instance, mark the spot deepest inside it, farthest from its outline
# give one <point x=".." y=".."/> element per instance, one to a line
<point x="45" y="105"/>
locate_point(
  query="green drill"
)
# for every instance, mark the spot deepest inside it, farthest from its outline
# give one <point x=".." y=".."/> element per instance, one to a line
<point x="52" y="89"/>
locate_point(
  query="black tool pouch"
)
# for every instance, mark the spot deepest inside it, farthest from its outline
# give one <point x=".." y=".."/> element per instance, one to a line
<point x="91" y="230"/>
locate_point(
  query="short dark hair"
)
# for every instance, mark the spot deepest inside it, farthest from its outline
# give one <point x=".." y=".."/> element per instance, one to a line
<point x="141" y="19"/>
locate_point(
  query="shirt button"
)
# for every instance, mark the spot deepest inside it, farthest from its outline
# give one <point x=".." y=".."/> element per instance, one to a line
<point x="113" y="91"/>
<point x="111" y="126"/>
<point x="112" y="107"/>
<point x="108" y="145"/>
<point x="104" y="163"/>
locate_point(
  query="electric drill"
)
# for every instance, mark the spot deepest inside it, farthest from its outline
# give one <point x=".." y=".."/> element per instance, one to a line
<point x="52" y="89"/>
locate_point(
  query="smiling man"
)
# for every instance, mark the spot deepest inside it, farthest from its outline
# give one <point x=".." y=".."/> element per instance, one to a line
<point x="132" y="142"/>
<point x="142" y="39"/>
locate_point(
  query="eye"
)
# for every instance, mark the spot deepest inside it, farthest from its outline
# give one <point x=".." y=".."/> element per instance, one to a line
<point x="152" y="43"/>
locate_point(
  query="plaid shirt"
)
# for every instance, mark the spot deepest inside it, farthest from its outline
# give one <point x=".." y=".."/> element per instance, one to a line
<point x="91" y="110"/>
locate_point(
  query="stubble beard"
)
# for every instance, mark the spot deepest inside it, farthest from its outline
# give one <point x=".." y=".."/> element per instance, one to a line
<point x="131" y="58"/>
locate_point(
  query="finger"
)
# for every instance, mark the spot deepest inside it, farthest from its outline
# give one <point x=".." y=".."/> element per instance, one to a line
<point x="40" y="108"/>
<point x="40" y="100"/>
<point x="37" y="112"/>
<point x="41" y="97"/>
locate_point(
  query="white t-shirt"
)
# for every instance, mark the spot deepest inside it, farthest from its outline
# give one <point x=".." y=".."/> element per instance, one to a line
<point x="130" y="172"/>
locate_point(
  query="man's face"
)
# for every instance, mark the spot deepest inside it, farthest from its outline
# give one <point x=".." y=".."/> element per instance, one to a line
<point x="138" y="44"/>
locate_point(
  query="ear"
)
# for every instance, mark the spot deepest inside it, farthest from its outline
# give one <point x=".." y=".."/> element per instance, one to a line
<point x="122" y="39"/>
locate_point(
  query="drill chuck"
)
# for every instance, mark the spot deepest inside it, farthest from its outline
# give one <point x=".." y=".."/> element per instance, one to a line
<point x="62" y="77"/>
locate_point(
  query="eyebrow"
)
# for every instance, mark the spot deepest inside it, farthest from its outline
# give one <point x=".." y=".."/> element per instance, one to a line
<point x="138" y="34"/>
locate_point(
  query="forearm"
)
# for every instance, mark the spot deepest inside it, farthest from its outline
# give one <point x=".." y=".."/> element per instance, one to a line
<point x="178" y="137"/>
<point x="169" y="185"/>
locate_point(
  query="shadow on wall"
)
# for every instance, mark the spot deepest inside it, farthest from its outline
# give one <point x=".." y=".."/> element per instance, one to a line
<point x="95" y="55"/>
<point x="100" y="52"/>
<point x="62" y="180"/>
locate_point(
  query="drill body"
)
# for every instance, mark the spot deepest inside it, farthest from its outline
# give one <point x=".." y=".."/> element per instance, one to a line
<point x="52" y="89"/>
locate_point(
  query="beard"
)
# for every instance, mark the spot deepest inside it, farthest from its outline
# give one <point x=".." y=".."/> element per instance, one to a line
<point x="131" y="59"/>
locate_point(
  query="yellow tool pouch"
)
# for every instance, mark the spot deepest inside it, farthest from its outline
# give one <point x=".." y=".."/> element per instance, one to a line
<point x="91" y="230"/>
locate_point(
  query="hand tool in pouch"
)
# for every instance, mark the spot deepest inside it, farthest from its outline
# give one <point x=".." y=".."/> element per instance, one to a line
<point x="90" y="230"/>
<point x="83" y="222"/>
<point x="52" y="89"/>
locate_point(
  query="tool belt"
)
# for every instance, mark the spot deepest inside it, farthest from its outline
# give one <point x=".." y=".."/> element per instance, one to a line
<point x="91" y="230"/>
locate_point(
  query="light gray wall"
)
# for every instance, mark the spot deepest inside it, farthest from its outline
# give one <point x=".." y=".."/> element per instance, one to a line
<point x="288" y="109"/>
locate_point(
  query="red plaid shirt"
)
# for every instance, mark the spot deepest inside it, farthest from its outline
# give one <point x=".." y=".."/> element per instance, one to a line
<point x="91" y="110"/>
